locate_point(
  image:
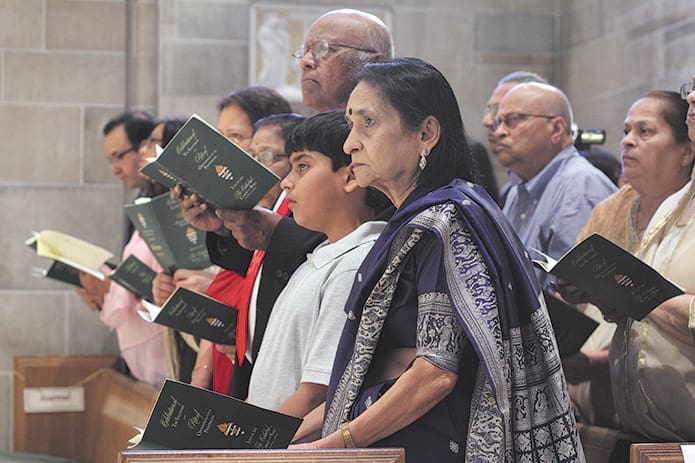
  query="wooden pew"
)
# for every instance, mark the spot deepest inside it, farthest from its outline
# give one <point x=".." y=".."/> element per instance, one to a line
<point x="264" y="456"/>
<point x="657" y="453"/>
<point x="113" y="405"/>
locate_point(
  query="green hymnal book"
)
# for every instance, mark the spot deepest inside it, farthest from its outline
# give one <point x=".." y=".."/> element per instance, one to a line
<point x="206" y="162"/>
<point x="197" y="314"/>
<point x="186" y="417"/>
<point x="71" y="251"/>
<point x="572" y="328"/>
<point x="611" y="276"/>
<point x="174" y="243"/>
<point x="135" y="276"/>
<point x="60" y="272"/>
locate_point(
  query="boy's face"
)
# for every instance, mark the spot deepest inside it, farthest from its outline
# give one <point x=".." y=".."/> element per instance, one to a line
<point x="314" y="190"/>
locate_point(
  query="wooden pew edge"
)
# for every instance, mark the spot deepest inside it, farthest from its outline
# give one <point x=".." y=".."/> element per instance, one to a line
<point x="669" y="452"/>
<point x="372" y="455"/>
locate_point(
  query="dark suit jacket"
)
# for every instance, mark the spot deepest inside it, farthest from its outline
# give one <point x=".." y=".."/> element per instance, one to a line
<point x="287" y="250"/>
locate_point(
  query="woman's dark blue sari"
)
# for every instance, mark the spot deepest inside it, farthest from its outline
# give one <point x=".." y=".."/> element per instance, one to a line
<point x="520" y="410"/>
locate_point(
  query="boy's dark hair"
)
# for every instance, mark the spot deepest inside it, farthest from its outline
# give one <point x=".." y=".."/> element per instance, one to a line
<point x="283" y="123"/>
<point x="325" y="133"/>
<point x="257" y="102"/>
<point x="138" y="126"/>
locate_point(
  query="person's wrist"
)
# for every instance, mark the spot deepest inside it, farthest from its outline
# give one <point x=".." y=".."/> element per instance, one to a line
<point x="347" y="435"/>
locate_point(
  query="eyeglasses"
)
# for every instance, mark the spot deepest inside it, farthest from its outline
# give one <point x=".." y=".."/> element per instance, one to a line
<point x="321" y="48"/>
<point x="152" y="140"/>
<point x="687" y="88"/>
<point x="268" y="157"/>
<point x="511" y="120"/>
<point x="491" y="110"/>
<point x="118" y="157"/>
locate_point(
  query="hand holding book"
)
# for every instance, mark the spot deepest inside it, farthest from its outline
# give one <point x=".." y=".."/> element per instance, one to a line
<point x="196" y="211"/>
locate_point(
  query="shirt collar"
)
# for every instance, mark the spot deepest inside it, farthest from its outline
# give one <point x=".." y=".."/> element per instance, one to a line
<point x="536" y="186"/>
<point x="326" y="252"/>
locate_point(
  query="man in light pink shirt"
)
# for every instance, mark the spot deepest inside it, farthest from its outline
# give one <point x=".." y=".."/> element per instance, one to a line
<point x="141" y="343"/>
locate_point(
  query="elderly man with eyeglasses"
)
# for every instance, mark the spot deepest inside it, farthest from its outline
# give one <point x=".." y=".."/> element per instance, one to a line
<point x="552" y="187"/>
<point x="337" y="45"/>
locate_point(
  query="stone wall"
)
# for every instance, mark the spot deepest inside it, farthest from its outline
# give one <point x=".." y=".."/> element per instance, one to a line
<point x="66" y="66"/>
<point x="613" y="51"/>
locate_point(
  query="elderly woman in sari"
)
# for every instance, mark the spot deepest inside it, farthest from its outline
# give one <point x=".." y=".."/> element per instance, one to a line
<point x="448" y="350"/>
<point x="657" y="161"/>
<point x="652" y="362"/>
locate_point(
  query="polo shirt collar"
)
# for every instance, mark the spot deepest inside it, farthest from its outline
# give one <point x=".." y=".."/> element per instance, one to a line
<point x="327" y="252"/>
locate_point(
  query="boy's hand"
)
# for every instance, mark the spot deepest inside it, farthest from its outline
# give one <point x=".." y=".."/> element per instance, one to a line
<point x="251" y="228"/>
<point x="196" y="211"/>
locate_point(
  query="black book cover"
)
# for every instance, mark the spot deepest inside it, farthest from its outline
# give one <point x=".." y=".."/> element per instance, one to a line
<point x="204" y="161"/>
<point x="197" y="314"/>
<point x="612" y="276"/>
<point x="174" y="243"/>
<point x="61" y="272"/>
<point x="186" y="417"/>
<point x="135" y="276"/>
<point x="572" y="328"/>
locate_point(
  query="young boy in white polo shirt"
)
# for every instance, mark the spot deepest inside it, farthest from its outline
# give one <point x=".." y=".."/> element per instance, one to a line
<point x="293" y="367"/>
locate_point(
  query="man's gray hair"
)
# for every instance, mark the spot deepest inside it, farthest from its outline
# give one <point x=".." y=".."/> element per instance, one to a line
<point x="521" y="77"/>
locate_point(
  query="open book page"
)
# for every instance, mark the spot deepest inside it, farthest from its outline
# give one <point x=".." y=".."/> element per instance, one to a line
<point x="72" y="251"/>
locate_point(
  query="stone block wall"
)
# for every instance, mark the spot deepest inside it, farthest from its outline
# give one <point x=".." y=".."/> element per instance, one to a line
<point x="66" y="67"/>
<point x="612" y="52"/>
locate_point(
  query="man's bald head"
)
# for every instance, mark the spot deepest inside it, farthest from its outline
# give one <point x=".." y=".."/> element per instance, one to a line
<point x="550" y="99"/>
<point x="532" y="126"/>
<point x="505" y="84"/>
<point x="354" y="38"/>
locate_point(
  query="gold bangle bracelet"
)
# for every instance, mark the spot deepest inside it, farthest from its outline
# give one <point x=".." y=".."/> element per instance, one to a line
<point x="204" y="367"/>
<point x="347" y="435"/>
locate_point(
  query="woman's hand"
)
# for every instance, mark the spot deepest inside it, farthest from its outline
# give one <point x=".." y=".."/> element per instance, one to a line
<point x="195" y="280"/>
<point x="570" y="293"/>
<point x="162" y="287"/>
<point x="583" y="365"/>
<point x="197" y="212"/>
<point x="332" y="441"/>
<point x="672" y="316"/>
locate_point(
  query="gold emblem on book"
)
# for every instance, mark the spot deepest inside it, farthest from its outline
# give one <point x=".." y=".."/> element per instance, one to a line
<point x="141" y="219"/>
<point x="223" y="172"/>
<point x="230" y="429"/>
<point x="215" y="322"/>
<point x="166" y="174"/>
<point x="192" y="235"/>
<point x="623" y="280"/>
